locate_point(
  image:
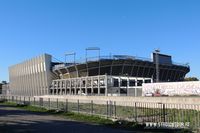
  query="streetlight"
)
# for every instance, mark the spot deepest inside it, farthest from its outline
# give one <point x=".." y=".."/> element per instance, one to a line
<point x="157" y="51"/>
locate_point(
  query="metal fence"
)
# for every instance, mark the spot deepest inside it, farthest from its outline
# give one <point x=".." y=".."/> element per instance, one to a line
<point x="184" y="115"/>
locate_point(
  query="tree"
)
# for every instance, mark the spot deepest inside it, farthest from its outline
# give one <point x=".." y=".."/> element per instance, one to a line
<point x="3" y="82"/>
<point x="191" y="79"/>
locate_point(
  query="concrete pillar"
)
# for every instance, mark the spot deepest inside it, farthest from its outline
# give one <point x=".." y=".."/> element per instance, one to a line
<point x="75" y="86"/>
<point x="57" y="87"/>
<point x="143" y="80"/>
<point x="98" y="85"/>
<point x="136" y="87"/>
<point x="128" y="87"/>
<point x="65" y="87"/>
<point x="86" y="85"/>
<point x="119" y="81"/>
<point x="52" y="88"/>
<point x="70" y="86"/>
<point x="80" y="85"/>
<point x="106" y="85"/>
<point x="62" y="87"/>
<point x="92" y="85"/>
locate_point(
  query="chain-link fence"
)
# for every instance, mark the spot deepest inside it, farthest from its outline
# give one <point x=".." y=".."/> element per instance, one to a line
<point x="185" y="114"/>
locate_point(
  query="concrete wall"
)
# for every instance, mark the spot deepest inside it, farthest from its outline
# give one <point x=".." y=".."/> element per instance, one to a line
<point x="31" y="77"/>
<point x="128" y="101"/>
<point x="173" y="88"/>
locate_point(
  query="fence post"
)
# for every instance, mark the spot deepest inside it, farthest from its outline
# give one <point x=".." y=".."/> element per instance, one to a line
<point x="78" y="105"/>
<point x="24" y="99"/>
<point x="115" y="107"/>
<point x="57" y="102"/>
<point x="91" y="107"/>
<point x="164" y="119"/>
<point x="107" y="108"/>
<point x="111" y="109"/>
<point x="49" y="103"/>
<point x="135" y="112"/>
<point x="41" y="102"/>
<point x="197" y="116"/>
<point x="29" y="99"/>
<point x="34" y="101"/>
<point x="66" y="105"/>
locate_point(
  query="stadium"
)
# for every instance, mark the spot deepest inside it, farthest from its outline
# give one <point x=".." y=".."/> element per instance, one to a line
<point x="116" y="75"/>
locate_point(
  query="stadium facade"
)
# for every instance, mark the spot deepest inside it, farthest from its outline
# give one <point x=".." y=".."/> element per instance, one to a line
<point x="119" y="75"/>
<point x="32" y="77"/>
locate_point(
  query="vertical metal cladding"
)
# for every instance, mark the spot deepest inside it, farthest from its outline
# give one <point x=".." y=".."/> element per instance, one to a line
<point x="31" y="77"/>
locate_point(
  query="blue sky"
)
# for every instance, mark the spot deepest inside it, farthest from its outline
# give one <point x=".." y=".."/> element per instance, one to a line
<point x="136" y="27"/>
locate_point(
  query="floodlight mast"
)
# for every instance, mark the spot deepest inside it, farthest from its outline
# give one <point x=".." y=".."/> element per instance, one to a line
<point x="93" y="49"/>
<point x="157" y="51"/>
<point x="68" y="54"/>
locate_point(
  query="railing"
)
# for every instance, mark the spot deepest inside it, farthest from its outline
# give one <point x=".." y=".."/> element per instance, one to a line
<point x="175" y="115"/>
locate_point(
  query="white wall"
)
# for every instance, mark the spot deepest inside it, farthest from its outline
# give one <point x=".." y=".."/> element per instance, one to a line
<point x="31" y="77"/>
<point x="173" y="88"/>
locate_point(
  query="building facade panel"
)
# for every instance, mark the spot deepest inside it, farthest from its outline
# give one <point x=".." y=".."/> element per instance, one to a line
<point x="31" y="77"/>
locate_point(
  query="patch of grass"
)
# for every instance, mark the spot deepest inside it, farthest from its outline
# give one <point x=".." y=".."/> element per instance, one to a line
<point x="9" y="103"/>
<point x="87" y="118"/>
<point x="33" y="109"/>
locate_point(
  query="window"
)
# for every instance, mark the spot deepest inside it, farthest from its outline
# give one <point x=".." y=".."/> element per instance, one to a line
<point x="131" y="82"/>
<point x="116" y="83"/>
<point x="124" y="83"/>
<point x="139" y="82"/>
<point x="148" y="81"/>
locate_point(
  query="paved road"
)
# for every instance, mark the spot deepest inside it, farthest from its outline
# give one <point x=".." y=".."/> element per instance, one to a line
<point x="13" y="120"/>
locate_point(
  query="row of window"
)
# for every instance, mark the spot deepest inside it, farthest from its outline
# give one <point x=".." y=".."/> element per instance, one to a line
<point x="124" y="83"/>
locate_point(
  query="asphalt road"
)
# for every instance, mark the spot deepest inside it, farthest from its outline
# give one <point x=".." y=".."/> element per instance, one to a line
<point x="14" y="120"/>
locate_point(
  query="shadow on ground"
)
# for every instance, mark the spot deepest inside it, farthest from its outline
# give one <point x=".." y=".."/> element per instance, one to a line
<point x="14" y="120"/>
